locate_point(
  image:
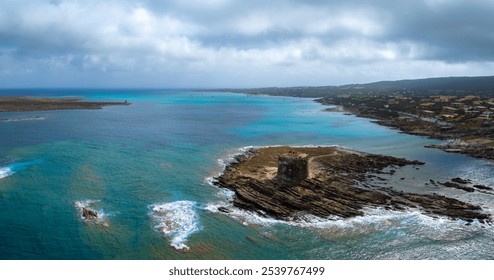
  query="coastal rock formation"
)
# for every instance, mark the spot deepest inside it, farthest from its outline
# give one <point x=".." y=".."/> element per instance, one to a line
<point x="462" y="184"/>
<point x="334" y="185"/>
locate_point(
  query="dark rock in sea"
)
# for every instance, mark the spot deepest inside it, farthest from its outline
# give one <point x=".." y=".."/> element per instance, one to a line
<point x="224" y="210"/>
<point x="482" y="187"/>
<point x="457" y="186"/>
<point x="460" y="180"/>
<point x="335" y="186"/>
<point x="89" y="214"/>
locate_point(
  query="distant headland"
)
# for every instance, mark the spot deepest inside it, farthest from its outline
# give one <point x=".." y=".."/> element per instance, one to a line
<point x="459" y="110"/>
<point x="24" y="104"/>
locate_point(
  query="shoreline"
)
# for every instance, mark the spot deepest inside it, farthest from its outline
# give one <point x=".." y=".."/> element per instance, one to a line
<point x="31" y="104"/>
<point x="339" y="186"/>
<point x="464" y="131"/>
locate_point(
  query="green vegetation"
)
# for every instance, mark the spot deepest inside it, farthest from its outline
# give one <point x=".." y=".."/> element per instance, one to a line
<point x="433" y="86"/>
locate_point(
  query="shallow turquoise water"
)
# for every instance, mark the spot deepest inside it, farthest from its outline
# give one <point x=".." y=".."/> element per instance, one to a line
<point x="145" y="167"/>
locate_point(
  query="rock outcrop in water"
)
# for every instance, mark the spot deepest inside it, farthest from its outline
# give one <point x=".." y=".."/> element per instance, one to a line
<point x="333" y="184"/>
<point x="89" y="214"/>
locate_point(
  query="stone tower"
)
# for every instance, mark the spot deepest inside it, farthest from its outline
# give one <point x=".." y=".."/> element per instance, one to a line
<point x="293" y="166"/>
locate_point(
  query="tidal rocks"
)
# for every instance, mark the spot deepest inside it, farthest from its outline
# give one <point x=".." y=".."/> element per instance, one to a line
<point x="471" y="149"/>
<point x="89" y="214"/>
<point x="335" y="186"/>
<point x="457" y="186"/>
<point x="224" y="210"/>
<point x="482" y="187"/>
<point x="462" y="184"/>
<point x="460" y="180"/>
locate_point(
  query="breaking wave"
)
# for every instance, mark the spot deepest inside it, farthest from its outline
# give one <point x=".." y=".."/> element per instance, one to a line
<point x="374" y="220"/>
<point x="12" y="168"/>
<point x="176" y="220"/>
<point x="5" y="171"/>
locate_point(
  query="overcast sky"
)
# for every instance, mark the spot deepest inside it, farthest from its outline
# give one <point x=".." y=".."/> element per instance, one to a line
<point x="240" y="43"/>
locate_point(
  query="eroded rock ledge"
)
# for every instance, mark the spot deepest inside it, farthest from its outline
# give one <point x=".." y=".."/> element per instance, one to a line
<point x="334" y="184"/>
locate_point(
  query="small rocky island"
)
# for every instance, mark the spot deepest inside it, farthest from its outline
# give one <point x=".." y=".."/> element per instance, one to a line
<point x="289" y="182"/>
<point x="24" y="104"/>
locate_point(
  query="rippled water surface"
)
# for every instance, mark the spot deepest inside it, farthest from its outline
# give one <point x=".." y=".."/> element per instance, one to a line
<point x="147" y="169"/>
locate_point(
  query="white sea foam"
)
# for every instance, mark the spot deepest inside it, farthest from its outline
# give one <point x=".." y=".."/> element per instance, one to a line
<point x="176" y="220"/>
<point x="434" y="228"/>
<point x="5" y="171"/>
<point x="102" y="218"/>
<point x="30" y="118"/>
<point x="14" y="167"/>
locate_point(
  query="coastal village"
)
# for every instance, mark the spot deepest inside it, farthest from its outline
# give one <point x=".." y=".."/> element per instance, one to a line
<point x="466" y="122"/>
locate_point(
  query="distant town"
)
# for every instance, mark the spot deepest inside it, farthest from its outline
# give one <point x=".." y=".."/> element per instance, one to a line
<point x="459" y="110"/>
<point x="465" y="121"/>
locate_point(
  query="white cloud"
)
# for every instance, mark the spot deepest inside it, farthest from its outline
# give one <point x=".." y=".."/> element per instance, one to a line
<point x="252" y="43"/>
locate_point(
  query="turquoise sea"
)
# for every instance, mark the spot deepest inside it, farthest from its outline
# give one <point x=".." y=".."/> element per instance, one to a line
<point x="147" y="168"/>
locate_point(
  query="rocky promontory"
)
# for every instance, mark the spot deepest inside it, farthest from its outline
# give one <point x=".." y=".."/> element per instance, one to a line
<point x="289" y="182"/>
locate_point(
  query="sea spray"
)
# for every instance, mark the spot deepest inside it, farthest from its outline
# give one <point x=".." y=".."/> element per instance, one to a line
<point x="374" y="220"/>
<point x="176" y="220"/>
<point x="5" y="171"/>
<point x="14" y="167"/>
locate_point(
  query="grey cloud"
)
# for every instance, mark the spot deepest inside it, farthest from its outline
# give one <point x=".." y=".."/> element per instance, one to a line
<point x="234" y="42"/>
<point x="451" y="30"/>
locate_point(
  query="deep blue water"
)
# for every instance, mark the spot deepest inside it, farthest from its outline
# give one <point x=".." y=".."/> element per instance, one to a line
<point x="146" y="168"/>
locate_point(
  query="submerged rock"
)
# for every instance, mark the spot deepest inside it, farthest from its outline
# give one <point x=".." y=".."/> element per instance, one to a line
<point x="334" y="185"/>
<point x="224" y="209"/>
<point x="482" y="187"/>
<point x="457" y="186"/>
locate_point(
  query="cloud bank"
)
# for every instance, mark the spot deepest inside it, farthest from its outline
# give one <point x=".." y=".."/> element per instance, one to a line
<point x="216" y="43"/>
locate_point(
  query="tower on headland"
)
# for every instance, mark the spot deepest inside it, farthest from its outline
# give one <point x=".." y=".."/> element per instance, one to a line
<point x="293" y="166"/>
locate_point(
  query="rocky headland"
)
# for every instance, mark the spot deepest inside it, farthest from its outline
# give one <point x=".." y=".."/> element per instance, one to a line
<point x="290" y="182"/>
<point x="24" y="104"/>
